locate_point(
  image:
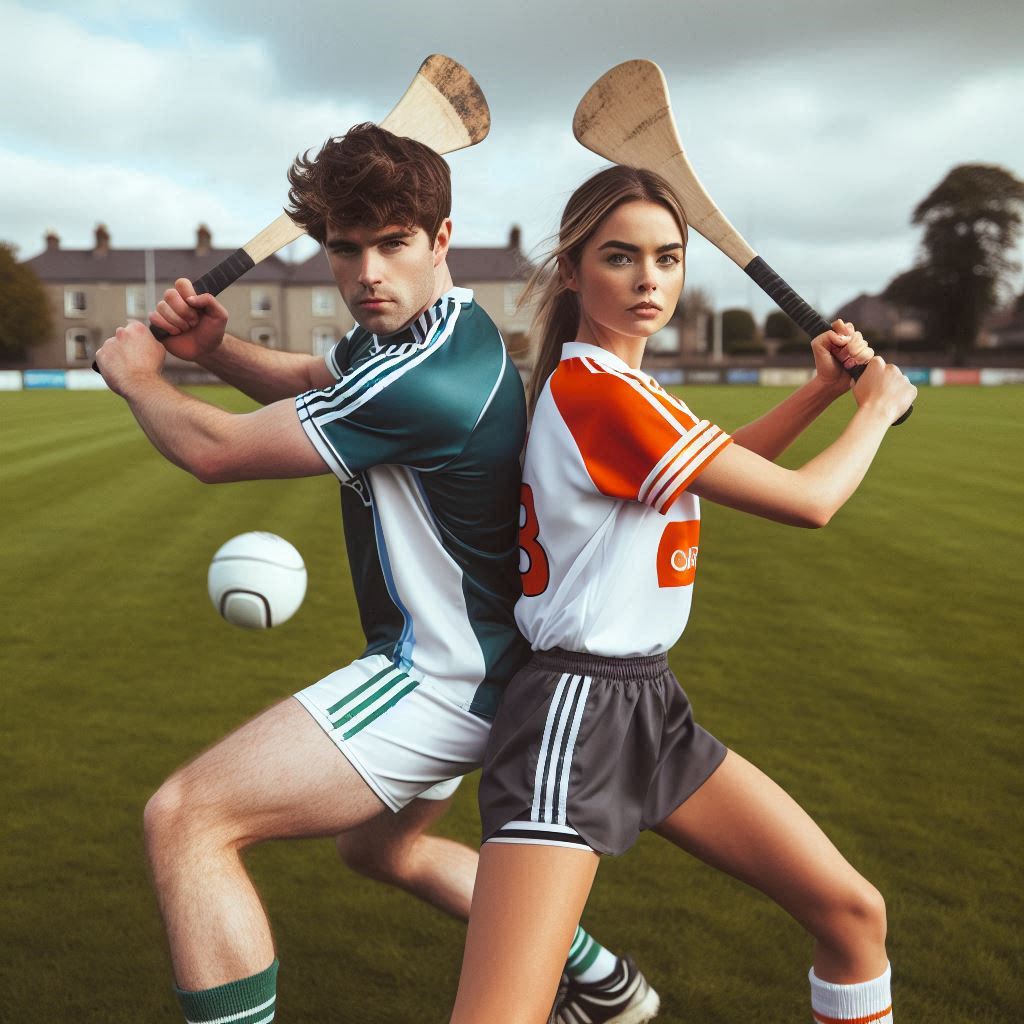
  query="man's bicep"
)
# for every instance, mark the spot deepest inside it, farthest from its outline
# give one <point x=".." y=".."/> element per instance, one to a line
<point x="320" y="376"/>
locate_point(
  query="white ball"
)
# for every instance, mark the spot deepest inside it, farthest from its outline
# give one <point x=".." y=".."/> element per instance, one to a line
<point x="257" y="580"/>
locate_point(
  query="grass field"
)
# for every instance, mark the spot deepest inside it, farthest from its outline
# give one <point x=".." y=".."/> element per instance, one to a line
<point x="873" y="668"/>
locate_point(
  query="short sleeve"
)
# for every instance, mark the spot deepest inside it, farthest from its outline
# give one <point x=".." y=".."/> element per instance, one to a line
<point x="636" y="441"/>
<point x="392" y="409"/>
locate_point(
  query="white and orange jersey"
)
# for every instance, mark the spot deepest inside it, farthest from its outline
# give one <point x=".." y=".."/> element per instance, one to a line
<point x="608" y="533"/>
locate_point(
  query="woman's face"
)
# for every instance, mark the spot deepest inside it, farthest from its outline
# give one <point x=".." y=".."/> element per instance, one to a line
<point x="630" y="273"/>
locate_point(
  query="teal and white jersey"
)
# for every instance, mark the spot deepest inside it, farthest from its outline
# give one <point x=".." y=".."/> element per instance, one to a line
<point x="424" y="430"/>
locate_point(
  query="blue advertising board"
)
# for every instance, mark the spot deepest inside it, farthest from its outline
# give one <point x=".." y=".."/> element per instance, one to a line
<point x="43" y="378"/>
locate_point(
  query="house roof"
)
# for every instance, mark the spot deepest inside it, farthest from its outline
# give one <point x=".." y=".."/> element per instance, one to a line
<point x="872" y="311"/>
<point x="466" y="264"/>
<point x="125" y="266"/>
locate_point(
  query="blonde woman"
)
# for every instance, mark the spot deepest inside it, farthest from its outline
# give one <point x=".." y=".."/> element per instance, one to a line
<point x="595" y="740"/>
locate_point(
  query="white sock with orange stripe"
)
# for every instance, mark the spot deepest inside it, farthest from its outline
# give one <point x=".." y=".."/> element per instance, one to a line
<point x="867" y="1002"/>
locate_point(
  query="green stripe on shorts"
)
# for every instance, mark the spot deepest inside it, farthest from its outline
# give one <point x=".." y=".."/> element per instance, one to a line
<point x="359" y="689"/>
<point x="380" y="711"/>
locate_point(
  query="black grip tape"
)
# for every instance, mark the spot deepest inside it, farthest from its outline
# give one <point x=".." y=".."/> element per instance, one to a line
<point x="228" y="271"/>
<point x="803" y="315"/>
<point x="213" y="282"/>
<point x="806" y="318"/>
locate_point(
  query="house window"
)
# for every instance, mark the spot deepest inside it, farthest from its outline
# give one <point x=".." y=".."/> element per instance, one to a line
<point x="260" y="303"/>
<point x="79" y="345"/>
<point x="323" y="340"/>
<point x="323" y="301"/>
<point x="512" y="293"/>
<point x="135" y="300"/>
<point x="74" y="302"/>
<point x="263" y="336"/>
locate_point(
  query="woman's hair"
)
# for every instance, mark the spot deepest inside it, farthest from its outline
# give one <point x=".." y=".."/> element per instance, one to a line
<point x="557" y="316"/>
<point x="369" y="177"/>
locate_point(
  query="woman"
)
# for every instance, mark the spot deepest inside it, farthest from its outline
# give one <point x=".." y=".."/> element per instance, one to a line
<point x="595" y="740"/>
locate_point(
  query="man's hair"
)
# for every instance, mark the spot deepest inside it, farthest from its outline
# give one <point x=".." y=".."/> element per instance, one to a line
<point x="370" y="178"/>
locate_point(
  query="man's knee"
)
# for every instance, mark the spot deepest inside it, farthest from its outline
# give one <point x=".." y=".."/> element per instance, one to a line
<point x="177" y="816"/>
<point x="383" y="860"/>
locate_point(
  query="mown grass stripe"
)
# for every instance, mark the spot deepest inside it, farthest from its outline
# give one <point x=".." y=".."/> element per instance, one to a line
<point x="380" y="711"/>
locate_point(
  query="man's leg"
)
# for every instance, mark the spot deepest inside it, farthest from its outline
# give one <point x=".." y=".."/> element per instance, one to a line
<point x="279" y="776"/>
<point x="396" y="849"/>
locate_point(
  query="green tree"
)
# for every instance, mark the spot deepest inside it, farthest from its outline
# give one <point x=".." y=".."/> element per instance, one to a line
<point x="25" y="317"/>
<point x="972" y="221"/>
<point x="777" y="325"/>
<point x="739" y="332"/>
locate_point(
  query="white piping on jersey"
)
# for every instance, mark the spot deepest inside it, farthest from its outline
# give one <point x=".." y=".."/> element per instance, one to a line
<point x="353" y="381"/>
<point x="497" y="384"/>
<point x="334" y="461"/>
<point x="699" y="452"/>
<point x="636" y="385"/>
<point x="684" y="441"/>
<point x="332" y="355"/>
<point x="697" y="441"/>
<point x="400" y="367"/>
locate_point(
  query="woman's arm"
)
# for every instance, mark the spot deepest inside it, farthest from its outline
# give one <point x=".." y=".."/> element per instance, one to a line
<point x="834" y="352"/>
<point x="811" y="495"/>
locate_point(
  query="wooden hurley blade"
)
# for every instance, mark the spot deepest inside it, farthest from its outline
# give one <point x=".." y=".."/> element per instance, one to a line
<point x="626" y="117"/>
<point x="443" y="108"/>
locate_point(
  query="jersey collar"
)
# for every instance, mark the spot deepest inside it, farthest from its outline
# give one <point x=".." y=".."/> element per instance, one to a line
<point x="579" y="349"/>
<point x="419" y="329"/>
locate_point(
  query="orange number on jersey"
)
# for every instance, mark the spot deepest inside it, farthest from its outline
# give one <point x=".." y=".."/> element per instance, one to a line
<point x="533" y="560"/>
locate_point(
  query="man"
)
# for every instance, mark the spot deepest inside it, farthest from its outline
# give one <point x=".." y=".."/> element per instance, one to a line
<point x="420" y="414"/>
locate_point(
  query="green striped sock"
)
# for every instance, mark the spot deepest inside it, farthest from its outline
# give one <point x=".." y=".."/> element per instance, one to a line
<point x="588" y="960"/>
<point x="246" y="1001"/>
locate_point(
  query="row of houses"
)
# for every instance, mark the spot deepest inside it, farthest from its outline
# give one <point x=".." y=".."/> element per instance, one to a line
<point x="283" y="305"/>
<point x="296" y="306"/>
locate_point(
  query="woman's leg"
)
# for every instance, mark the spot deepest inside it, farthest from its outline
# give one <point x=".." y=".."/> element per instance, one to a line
<point x="744" y="824"/>
<point x="526" y="904"/>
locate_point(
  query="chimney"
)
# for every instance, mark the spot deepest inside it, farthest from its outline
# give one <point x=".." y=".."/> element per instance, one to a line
<point x="52" y="240"/>
<point x="203" y="240"/>
<point x="515" y="238"/>
<point x="102" y="240"/>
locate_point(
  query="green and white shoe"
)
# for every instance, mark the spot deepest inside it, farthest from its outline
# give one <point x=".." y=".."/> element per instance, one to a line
<point x="624" y="997"/>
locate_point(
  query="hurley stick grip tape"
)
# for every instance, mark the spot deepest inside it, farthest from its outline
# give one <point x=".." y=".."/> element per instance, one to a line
<point x="803" y="315"/>
<point x="213" y="282"/>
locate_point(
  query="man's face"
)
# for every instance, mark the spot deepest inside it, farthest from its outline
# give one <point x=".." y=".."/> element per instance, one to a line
<point x="387" y="276"/>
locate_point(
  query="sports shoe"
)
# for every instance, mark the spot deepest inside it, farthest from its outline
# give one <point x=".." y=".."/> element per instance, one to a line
<point x="625" y="997"/>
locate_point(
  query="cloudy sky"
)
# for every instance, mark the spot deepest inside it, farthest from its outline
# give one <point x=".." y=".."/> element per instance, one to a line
<point x="817" y="125"/>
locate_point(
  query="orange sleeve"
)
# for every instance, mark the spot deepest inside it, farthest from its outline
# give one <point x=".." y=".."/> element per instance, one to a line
<point x="636" y="441"/>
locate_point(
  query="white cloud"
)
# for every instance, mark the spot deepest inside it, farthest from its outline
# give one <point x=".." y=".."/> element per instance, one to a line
<point x="816" y="144"/>
<point x="200" y="121"/>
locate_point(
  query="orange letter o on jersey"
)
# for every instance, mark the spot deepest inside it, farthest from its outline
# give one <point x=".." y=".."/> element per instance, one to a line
<point x="533" y="559"/>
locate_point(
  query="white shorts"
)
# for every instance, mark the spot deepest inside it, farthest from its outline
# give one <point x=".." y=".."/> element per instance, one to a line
<point x="401" y="731"/>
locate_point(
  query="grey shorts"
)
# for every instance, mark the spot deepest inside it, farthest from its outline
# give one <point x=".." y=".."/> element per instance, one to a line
<point x="587" y="752"/>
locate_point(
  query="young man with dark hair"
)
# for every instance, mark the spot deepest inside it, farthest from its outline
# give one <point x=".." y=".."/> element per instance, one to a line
<point x="420" y="414"/>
